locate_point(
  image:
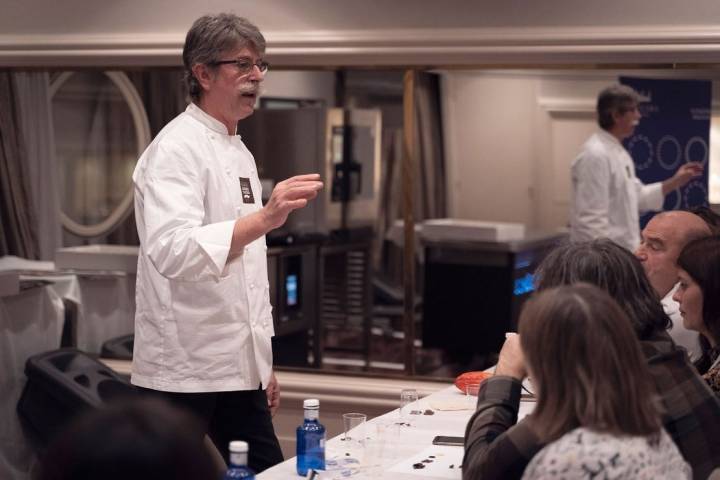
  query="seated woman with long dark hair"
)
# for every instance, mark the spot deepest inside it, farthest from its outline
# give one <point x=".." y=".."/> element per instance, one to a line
<point x="596" y="403"/>
<point x="699" y="299"/>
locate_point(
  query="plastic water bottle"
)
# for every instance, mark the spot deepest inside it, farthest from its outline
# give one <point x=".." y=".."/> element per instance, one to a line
<point x="310" y="439"/>
<point x="238" y="462"/>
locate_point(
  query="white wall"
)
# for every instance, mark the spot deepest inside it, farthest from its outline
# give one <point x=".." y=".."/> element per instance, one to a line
<point x="524" y="169"/>
<point x="512" y="135"/>
<point x="489" y="123"/>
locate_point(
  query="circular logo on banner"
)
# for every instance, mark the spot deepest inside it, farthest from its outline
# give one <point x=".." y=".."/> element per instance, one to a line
<point x="696" y="150"/>
<point x="695" y="194"/>
<point x="669" y="152"/>
<point x="641" y="150"/>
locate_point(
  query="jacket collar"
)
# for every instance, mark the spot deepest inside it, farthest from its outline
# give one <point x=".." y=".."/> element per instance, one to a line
<point x="209" y="121"/>
<point x="608" y="137"/>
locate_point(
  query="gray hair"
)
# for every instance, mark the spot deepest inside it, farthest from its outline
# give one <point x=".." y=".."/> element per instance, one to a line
<point x="213" y="35"/>
<point x="615" y="99"/>
<point x="612" y="268"/>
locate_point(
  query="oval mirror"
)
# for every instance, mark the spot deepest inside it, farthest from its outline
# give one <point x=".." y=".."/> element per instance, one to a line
<point x="101" y="129"/>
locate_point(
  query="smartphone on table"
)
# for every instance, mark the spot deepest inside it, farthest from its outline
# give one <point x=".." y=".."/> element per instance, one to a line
<point x="445" y="440"/>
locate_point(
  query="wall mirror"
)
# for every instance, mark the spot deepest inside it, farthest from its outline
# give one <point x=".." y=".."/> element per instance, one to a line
<point x="100" y="128"/>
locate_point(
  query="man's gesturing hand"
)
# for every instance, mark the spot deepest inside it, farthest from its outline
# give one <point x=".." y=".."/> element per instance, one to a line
<point x="684" y="174"/>
<point x="289" y="195"/>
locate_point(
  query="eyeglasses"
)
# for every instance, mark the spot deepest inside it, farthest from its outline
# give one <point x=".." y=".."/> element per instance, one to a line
<point x="245" y="65"/>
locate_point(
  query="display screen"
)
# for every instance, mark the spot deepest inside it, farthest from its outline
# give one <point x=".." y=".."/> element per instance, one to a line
<point x="291" y="289"/>
<point x="524" y="284"/>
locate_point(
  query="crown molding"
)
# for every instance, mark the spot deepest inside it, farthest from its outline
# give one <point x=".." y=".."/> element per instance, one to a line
<point x="488" y="47"/>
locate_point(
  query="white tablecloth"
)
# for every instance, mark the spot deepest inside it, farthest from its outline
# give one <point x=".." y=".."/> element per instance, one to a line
<point x="391" y="449"/>
<point x="105" y="301"/>
<point x="30" y="323"/>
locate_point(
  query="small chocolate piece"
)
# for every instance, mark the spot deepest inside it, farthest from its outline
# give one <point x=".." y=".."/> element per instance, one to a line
<point x="429" y="412"/>
<point x="427" y="460"/>
<point x="417" y="466"/>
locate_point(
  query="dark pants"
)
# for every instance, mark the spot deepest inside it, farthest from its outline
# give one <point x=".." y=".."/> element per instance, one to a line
<point x="238" y="415"/>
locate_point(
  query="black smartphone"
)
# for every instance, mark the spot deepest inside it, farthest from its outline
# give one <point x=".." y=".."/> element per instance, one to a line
<point x="443" y="440"/>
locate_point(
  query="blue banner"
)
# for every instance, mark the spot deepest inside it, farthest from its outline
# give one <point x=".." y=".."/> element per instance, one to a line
<point x="674" y="129"/>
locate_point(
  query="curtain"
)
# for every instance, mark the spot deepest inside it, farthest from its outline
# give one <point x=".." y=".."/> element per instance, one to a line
<point x="33" y="100"/>
<point x="17" y="218"/>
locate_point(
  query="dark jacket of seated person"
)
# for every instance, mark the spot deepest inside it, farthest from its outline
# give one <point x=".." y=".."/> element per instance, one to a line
<point x="496" y="447"/>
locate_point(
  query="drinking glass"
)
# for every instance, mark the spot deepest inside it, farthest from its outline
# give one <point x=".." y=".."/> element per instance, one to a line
<point x="354" y="424"/>
<point x="408" y="396"/>
<point x="471" y="393"/>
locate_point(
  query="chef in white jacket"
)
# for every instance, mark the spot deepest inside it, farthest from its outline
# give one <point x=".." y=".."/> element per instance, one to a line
<point x="203" y="322"/>
<point x="607" y="197"/>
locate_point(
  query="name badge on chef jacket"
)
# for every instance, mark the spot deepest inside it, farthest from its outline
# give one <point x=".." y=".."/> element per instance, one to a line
<point x="246" y="190"/>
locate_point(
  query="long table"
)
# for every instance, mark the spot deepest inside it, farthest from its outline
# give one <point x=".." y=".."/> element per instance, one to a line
<point x="393" y="449"/>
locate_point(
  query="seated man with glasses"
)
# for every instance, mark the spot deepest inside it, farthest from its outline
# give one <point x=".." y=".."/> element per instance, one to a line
<point x="203" y="322"/>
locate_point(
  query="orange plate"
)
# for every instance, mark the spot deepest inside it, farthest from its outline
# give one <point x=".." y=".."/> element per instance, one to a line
<point x="471" y="378"/>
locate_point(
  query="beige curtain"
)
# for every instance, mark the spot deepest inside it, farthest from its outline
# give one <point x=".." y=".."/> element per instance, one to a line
<point x="18" y="235"/>
<point x="33" y="100"/>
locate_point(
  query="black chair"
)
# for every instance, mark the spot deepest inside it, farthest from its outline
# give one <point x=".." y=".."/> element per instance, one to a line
<point x="62" y="384"/>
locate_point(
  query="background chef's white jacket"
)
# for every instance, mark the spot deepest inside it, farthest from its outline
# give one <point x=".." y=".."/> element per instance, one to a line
<point x="607" y="197"/>
<point x="201" y="324"/>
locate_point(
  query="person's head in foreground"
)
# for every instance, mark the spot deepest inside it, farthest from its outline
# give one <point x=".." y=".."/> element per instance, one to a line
<point x="136" y="440"/>
<point x="699" y="294"/>
<point x="616" y="271"/>
<point x="592" y="382"/>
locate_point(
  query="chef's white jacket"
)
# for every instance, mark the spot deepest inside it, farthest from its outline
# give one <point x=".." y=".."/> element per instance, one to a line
<point x="607" y="197"/>
<point x="201" y="324"/>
